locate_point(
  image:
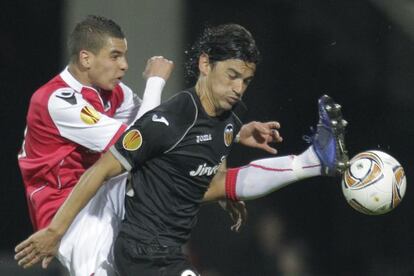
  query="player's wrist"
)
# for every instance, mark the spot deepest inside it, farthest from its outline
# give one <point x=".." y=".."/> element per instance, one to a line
<point x="156" y="80"/>
<point x="55" y="232"/>
<point x="154" y="87"/>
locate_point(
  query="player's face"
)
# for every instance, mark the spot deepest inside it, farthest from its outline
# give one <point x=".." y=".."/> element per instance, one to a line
<point x="227" y="81"/>
<point x="109" y="65"/>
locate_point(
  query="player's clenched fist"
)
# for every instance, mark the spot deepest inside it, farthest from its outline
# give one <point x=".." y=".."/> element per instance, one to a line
<point x="158" y="66"/>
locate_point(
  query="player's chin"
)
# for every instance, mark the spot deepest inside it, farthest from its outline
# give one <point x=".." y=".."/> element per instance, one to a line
<point x="228" y="105"/>
<point x="109" y="86"/>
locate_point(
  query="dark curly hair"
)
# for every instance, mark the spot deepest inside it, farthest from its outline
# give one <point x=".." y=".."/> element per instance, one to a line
<point x="228" y="41"/>
<point x="91" y="34"/>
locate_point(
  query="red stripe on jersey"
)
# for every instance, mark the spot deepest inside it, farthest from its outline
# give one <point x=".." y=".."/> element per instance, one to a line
<point x="118" y="134"/>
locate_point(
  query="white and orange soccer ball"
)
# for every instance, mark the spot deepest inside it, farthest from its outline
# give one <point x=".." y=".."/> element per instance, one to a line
<point x="374" y="183"/>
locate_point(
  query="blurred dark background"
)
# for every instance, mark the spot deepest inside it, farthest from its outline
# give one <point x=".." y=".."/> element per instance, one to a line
<point x="352" y="50"/>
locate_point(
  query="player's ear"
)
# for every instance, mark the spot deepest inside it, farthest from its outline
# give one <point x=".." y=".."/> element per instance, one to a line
<point x="85" y="58"/>
<point x="204" y="64"/>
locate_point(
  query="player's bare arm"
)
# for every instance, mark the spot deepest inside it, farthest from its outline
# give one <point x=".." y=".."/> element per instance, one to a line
<point x="216" y="192"/>
<point x="43" y="245"/>
<point x="217" y="188"/>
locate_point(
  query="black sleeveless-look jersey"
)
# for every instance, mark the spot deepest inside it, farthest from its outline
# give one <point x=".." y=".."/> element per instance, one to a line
<point x="172" y="153"/>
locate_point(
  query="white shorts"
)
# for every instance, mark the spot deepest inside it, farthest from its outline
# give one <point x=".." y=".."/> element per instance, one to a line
<point x="87" y="247"/>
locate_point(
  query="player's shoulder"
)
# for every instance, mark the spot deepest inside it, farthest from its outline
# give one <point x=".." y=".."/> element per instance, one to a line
<point x="58" y="96"/>
<point x="181" y="108"/>
<point x="64" y="97"/>
<point x="175" y="116"/>
<point x="55" y="88"/>
<point x="182" y="103"/>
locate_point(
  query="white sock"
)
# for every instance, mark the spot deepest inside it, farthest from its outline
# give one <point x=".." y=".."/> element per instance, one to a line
<point x="264" y="176"/>
<point x="307" y="164"/>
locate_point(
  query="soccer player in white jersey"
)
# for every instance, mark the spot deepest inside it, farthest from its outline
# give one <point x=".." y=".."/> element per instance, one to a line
<point x="71" y="121"/>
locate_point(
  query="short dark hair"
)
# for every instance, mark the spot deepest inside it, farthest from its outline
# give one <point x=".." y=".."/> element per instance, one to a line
<point x="91" y="34"/>
<point x="227" y="41"/>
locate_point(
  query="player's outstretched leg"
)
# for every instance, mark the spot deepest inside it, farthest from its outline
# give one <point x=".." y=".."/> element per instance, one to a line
<point x="328" y="140"/>
<point x="327" y="155"/>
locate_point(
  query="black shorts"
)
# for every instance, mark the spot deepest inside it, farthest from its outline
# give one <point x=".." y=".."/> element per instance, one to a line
<point x="132" y="259"/>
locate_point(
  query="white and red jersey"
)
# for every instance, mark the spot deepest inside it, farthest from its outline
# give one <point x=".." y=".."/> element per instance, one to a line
<point x="68" y="126"/>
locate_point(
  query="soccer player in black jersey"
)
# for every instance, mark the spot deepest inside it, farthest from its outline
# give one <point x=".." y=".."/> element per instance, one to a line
<point x="176" y="156"/>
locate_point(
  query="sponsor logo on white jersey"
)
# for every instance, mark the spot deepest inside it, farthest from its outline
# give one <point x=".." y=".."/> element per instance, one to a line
<point x="67" y="94"/>
<point x="203" y="138"/>
<point x="160" y="119"/>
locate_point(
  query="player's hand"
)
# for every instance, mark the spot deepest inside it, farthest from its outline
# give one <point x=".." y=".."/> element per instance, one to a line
<point x="259" y="135"/>
<point x="41" y="246"/>
<point x="158" y="66"/>
<point x="237" y="211"/>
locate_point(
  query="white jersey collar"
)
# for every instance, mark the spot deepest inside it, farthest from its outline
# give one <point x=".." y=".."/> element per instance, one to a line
<point x="72" y="82"/>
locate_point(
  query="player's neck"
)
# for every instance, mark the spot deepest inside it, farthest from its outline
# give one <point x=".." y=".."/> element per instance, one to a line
<point x="206" y="99"/>
<point x="79" y="74"/>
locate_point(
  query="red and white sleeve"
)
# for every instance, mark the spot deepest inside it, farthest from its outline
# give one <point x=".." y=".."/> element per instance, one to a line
<point x="79" y="122"/>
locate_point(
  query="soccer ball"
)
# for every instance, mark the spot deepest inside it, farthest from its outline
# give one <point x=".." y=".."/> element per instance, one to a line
<point x="374" y="183"/>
